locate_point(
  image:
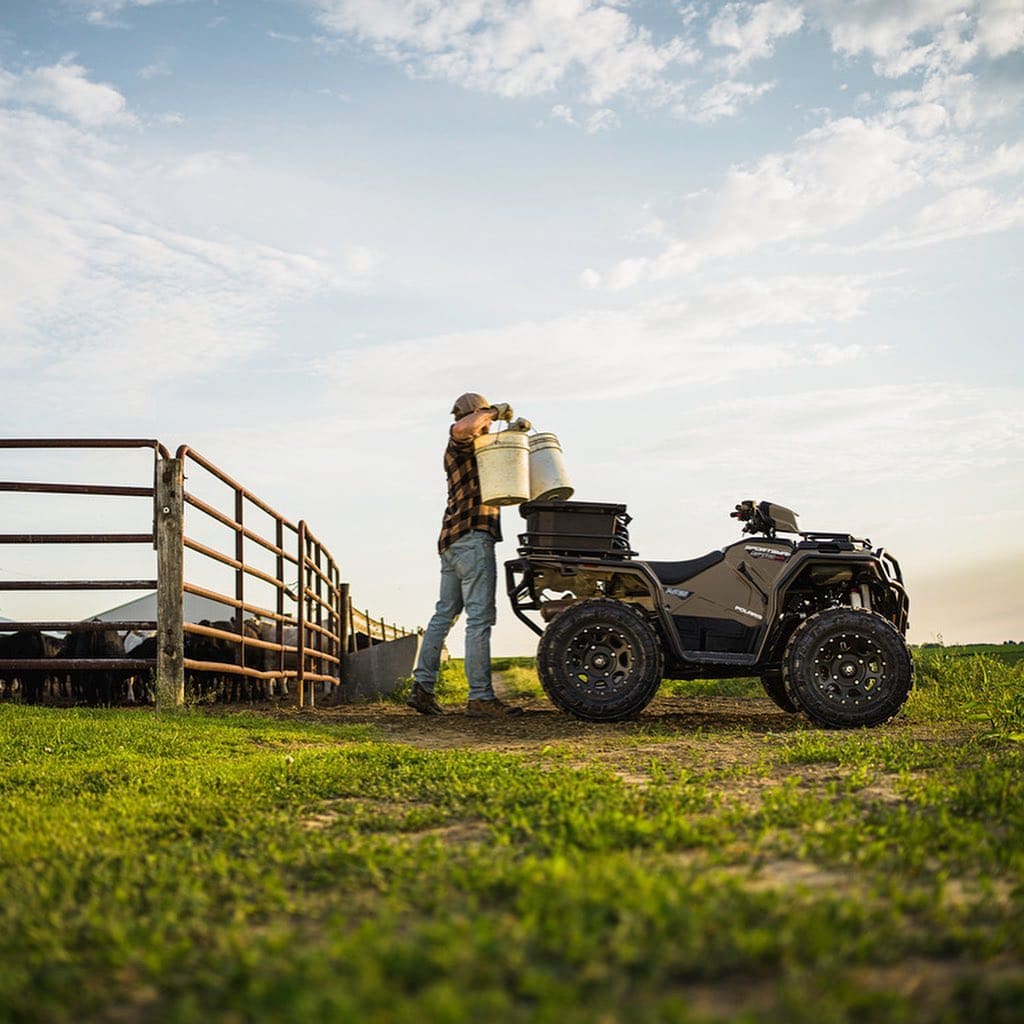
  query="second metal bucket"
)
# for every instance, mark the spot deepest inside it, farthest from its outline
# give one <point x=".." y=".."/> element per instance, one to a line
<point x="548" y="479"/>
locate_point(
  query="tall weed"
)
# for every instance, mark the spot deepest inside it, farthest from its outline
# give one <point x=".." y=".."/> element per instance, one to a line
<point x="980" y="688"/>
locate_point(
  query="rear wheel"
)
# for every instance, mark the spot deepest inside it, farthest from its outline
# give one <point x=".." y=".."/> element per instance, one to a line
<point x="598" y="660"/>
<point x="775" y="686"/>
<point x="846" y="668"/>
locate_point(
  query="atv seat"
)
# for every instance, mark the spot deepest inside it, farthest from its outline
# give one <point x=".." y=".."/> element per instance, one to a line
<point x="670" y="573"/>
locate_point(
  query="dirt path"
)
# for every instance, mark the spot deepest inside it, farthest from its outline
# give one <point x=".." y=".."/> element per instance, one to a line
<point x="698" y="731"/>
<point x="542" y="725"/>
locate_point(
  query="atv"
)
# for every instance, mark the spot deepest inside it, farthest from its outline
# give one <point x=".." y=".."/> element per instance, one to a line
<point x="821" y="618"/>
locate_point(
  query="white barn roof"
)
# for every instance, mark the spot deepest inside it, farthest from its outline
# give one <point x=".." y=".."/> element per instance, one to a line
<point x="144" y="608"/>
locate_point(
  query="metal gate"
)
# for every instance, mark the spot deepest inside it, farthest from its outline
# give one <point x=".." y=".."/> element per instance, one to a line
<point x="288" y="615"/>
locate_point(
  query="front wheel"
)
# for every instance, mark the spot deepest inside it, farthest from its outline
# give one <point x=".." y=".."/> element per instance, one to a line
<point x="598" y="660"/>
<point x="775" y="686"/>
<point x="846" y="668"/>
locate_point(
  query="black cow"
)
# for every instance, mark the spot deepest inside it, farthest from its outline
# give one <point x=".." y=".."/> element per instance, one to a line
<point x="25" y="644"/>
<point x="138" y="687"/>
<point x="98" y="685"/>
<point x="208" y="684"/>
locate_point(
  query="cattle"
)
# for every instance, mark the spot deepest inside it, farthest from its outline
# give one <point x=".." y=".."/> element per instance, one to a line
<point x="207" y="684"/>
<point x="210" y="684"/>
<point x="113" y="685"/>
<point x="267" y="630"/>
<point x="290" y="638"/>
<point x="31" y="681"/>
<point x="97" y="686"/>
<point x="138" y="688"/>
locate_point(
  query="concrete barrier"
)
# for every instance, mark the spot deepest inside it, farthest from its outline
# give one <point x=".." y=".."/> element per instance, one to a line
<point x="379" y="670"/>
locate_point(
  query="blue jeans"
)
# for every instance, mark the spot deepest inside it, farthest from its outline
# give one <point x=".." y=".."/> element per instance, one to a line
<point x="468" y="580"/>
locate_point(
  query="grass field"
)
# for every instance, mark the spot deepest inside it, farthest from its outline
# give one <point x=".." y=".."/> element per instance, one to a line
<point x="1012" y="654"/>
<point x="714" y="860"/>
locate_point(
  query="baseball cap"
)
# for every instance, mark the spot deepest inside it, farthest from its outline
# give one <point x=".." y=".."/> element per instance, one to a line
<point x="467" y="403"/>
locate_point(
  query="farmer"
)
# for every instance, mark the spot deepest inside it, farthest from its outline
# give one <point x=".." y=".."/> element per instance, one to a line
<point x="469" y="532"/>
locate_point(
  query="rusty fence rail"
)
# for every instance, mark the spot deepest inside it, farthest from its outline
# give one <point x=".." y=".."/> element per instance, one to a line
<point x="79" y="657"/>
<point x="364" y="630"/>
<point x="300" y="632"/>
<point x="287" y="614"/>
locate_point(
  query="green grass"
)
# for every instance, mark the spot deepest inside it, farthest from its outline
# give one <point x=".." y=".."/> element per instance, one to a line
<point x="518" y="678"/>
<point x="742" y="687"/>
<point x="246" y="868"/>
<point x="980" y="686"/>
<point x="515" y="677"/>
<point x="451" y="686"/>
<point x="1010" y="653"/>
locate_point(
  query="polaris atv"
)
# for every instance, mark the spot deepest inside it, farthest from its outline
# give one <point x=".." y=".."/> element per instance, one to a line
<point x="819" y="617"/>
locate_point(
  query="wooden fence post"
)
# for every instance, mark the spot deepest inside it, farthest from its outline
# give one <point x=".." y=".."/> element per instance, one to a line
<point x="170" y="575"/>
<point x="300" y="614"/>
<point x="344" y="624"/>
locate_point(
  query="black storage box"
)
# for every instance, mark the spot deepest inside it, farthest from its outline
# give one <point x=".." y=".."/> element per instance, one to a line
<point x="576" y="527"/>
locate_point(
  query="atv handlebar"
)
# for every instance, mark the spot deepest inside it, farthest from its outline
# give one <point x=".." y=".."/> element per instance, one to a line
<point x="753" y="517"/>
<point x="744" y="510"/>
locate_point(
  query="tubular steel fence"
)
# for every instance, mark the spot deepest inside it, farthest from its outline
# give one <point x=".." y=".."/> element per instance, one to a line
<point x="77" y="656"/>
<point x="365" y="630"/>
<point x="287" y="615"/>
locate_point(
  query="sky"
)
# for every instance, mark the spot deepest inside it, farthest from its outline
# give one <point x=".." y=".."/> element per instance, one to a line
<point x="765" y="250"/>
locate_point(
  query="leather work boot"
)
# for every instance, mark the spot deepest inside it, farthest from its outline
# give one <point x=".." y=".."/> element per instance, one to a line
<point x="423" y="702"/>
<point x="491" y="709"/>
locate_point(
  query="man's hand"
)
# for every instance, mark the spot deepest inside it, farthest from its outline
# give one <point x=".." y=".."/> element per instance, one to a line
<point x="502" y="411"/>
<point x="521" y="424"/>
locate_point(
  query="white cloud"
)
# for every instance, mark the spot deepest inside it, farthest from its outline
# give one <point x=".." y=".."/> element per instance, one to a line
<point x="724" y="99"/>
<point x="853" y="182"/>
<point x="931" y="35"/>
<point x="607" y="355"/>
<point x="158" y="69"/>
<point x="833" y="178"/>
<point x="961" y="213"/>
<point x="923" y="119"/>
<point x="751" y="30"/>
<point x="970" y="102"/>
<point x="598" y="51"/>
<point x="883" y="28"/>
<point x="886" y="437"/>
<point x="560" y="112"/>
<point x="603" y="120"/>
<point x="1001" y="26"/>
<point x="360" y="261"/>
<point x="101" y="12"/>
<point x="516" y="48"/>
<point x="66" y="89"/>
<point x="96" y="288"/>
<point x="1003" y="161"/>
<point x="206" y="162"/>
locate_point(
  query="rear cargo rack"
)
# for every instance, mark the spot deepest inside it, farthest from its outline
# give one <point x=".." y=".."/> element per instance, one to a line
<point x="593" y="529"/>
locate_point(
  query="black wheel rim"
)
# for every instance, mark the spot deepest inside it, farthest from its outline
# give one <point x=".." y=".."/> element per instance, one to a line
<point x="601" y="660"/>
<point x="850" y="668"/>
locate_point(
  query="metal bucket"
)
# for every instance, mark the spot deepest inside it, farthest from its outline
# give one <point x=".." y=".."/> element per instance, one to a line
<point x="548" y="479"/>
<point x="503" y="463"/>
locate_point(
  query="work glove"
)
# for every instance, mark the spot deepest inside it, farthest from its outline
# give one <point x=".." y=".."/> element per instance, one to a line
<point x="502" y="411"/>
<point x="521" y="424"/>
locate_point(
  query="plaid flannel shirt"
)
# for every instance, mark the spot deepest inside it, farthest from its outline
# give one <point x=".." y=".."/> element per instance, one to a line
<point x="464" y="511"/>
